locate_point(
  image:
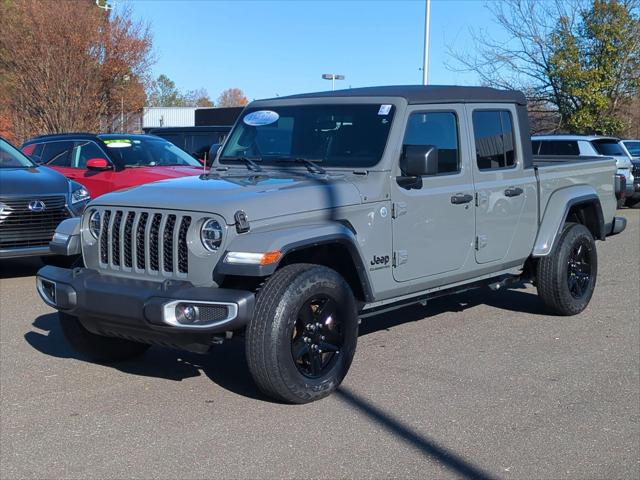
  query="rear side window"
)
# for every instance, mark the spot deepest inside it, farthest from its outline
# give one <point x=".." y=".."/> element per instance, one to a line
<point x="560" y="148"/>
<point x="608" y="147"/>
<point x="57" y="154"/>
<point x="439" y="129"/>
<point x="494" y="139"/>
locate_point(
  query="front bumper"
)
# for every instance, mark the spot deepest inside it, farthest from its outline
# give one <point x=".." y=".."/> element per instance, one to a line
<point x="618" y="225"/>
<point x="142" y="310"/>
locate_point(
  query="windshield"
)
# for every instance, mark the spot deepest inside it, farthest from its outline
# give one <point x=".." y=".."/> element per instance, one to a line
<point x="335" y="135"/>
<point x="11" y="157"/>
<point x="633" y="147"/>
<point x="147" y="152"/>
<point x="608" y="147"/>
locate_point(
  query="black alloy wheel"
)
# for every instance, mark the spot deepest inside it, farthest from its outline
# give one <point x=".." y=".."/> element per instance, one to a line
<point x="317" y="337"/>
<point x="579" y="270"/>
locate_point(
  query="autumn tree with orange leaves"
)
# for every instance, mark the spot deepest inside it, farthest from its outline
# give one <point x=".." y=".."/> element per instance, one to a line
<point x="232" y="97"/>
<point x="68" y="66"/>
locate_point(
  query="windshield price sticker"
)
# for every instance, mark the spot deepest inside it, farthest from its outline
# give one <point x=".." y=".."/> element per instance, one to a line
<point x="261" y="117"/>
<point x="123" y="143"/>
<point x="384" y="110"/>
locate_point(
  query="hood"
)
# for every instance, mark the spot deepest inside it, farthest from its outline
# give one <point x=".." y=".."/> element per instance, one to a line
<point x="260" y="195"/>
<point x="155" y="173"/>
<point x="32" y="181"/>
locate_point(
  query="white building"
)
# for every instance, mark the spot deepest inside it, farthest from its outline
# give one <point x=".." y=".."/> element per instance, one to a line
<point x="155" y="117"/>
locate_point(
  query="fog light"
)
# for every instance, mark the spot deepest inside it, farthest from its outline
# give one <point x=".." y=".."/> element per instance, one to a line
<point x="186" y="313"/>
<point x="47" y="291"/>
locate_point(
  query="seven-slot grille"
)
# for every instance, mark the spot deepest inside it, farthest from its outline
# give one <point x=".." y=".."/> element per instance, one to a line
<point x="23" y="227"/>
<point x="635" y="170"/>
<point x="144" y="241"/>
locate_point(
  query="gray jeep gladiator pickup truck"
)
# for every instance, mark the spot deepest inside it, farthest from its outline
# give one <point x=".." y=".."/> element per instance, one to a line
<point x="323" y="209"/>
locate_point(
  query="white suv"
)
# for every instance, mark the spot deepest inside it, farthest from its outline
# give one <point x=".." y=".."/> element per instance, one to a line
<point x="587" y="146"/>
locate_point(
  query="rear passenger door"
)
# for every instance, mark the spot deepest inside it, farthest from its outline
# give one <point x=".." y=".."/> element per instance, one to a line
<point x="506" y="193"/>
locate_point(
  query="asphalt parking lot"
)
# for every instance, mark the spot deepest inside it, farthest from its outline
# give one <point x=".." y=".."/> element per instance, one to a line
<point x="481" y="384"/>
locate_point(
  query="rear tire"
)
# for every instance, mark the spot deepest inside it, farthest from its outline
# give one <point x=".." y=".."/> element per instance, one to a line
<point x="97" y="347"/>
<point x="303" y="335"/>
<point x="566" y="278"/>
<point x="633" y="202"/>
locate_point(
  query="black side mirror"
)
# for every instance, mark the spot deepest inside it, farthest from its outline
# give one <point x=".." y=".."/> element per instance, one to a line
<point x="416" y="161"/>
<point x="419" y="160"/>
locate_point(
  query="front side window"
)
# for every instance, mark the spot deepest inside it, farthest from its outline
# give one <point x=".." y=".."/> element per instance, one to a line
<point x="83" y="151"/>
<point x="494" y="139"/>
<point x="336" y="135"/>
<point x="561" y="148"/>
<point x="439" y="129"/>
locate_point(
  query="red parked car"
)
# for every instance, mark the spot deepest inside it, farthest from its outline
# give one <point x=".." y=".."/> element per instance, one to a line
<point x="107" y="162"/>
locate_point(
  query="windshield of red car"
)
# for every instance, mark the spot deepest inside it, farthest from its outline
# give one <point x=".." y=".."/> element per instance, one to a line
<point x="134" y="152"/>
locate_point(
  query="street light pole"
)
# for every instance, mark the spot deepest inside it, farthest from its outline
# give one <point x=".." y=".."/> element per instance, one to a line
<point x="125" y="79"/>
<point x="425" y="60"/>
<point x="333" y="77"/>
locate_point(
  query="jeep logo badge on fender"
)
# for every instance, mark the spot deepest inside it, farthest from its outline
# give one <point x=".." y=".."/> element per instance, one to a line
<point x="379" y="262"/>
<point x="37" y="206"/>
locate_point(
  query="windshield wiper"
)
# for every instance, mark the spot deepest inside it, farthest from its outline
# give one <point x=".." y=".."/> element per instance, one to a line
<point x="310" y="164"/>
<point x="251" y="164"/>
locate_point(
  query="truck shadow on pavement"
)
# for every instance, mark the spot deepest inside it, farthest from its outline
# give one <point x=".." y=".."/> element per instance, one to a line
<point x="226" y="365"/>
<point x="19" y="267"/>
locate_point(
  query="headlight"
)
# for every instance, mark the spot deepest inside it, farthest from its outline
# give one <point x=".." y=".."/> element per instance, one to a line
<point x="80" y="195"/>
<point x="94" y="223"/>
<point x="211" y="235"/>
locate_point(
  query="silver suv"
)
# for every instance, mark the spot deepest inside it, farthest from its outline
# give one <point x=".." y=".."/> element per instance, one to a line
<point x="587" y="146"/>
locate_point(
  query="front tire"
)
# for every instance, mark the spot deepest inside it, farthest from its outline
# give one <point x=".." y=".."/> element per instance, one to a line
<point x="303" y="335"/>
<point x="97" y="347"/>
<point x="566" y="277"/>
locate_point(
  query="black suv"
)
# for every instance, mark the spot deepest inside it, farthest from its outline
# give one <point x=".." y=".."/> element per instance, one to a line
<point x="195" y="140"/>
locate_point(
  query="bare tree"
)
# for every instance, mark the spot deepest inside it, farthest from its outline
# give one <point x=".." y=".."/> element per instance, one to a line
<point x="576" y="60"/>
<point x="65" y="65"/>
<point x="232" y="97"/>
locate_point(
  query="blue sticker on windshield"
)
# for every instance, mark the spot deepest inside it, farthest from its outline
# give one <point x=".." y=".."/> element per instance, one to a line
<point x="261" y="117"/>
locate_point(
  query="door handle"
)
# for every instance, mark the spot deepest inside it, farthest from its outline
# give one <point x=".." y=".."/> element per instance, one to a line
<point x="461" y="198"/>
<point x="513" y="192"/>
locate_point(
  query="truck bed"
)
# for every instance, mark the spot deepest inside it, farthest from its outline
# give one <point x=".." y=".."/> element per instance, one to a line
<point x="555" y="173"/>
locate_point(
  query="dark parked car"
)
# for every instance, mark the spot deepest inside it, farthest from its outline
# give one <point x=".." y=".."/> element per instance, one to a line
<point x="107" y="162"/>
<point x="195" y="140"/>
<point x="33" y="201"/>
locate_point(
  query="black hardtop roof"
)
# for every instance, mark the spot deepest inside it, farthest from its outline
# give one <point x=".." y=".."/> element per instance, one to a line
<point x="417" y="94"/>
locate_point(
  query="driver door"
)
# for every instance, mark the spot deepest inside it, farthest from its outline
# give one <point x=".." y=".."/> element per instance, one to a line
<point x="97" y="182"/>
<point x="434" y="224"/>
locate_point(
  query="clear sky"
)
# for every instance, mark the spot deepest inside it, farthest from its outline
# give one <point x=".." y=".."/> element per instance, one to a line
<point x="270" y="48"/>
